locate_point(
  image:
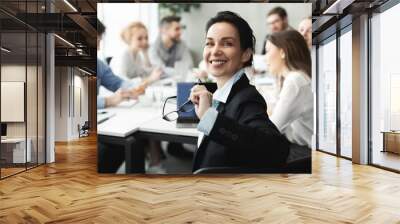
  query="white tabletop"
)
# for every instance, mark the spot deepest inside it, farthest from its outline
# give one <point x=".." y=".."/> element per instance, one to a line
<point x="13" y="140"/>
<point x="142" y="117"/>
<point x="126" y="120"/>
<point x="158" y="125"/>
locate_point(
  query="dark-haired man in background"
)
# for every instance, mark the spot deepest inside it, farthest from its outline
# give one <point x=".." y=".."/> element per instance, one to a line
<point x="169" y="49"/>
<point x="277" y="21"/>
<point x="171" y="54"/>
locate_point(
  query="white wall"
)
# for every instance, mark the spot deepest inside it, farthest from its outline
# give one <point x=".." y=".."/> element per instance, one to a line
<point x="83" y="83"/>
<point x="16" y="73"/>
<point x="116" y="16"/>
<point x="33" y="125"/>
<point x="61" y="86"/>
<point x="80" y="102"/>
<point x="69" y="85"/>
<point x="253" y="13"/>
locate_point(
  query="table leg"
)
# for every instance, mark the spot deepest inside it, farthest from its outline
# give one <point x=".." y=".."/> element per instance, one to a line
<point x="384" y="143"/>
<point x="134" y="156"/>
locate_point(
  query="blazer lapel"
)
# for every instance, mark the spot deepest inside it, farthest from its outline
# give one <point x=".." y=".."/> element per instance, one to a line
<point x="243" y="82"/>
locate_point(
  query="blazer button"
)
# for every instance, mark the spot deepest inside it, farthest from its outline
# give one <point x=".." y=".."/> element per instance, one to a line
<point x="234" y="137"/>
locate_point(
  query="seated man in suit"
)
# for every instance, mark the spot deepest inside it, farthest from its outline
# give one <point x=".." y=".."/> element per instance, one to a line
<point x="236" y="130"/>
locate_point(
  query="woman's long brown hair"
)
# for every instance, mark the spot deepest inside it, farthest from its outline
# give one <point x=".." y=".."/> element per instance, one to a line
<point x="297" y="54"/>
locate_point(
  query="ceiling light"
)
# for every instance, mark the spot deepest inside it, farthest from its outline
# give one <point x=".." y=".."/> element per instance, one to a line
<point x="70" y="5"/>
<point x="337" y="7"/>
<point x="79" y="51"/>
<point x="84" y="71"/>
<point x="65" y="41"/>
<point x="5" y="50"/>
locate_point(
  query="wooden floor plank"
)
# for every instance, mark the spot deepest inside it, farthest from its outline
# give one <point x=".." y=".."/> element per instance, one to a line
<point x="71" y="191"/>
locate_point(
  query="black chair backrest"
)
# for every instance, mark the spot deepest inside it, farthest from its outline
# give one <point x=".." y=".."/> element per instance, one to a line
<point x="86" y="125"/>
<point x="298" y="161"/>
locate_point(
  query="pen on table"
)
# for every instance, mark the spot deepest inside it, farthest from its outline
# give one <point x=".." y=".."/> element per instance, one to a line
<point x="105" y="119"/>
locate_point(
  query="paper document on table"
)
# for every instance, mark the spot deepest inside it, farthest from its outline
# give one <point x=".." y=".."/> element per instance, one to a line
<point x="103" y="115"/>
<point x="127" y="104"/>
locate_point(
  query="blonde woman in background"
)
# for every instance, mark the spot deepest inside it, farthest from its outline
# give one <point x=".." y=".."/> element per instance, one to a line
<point x="134" y="62"/>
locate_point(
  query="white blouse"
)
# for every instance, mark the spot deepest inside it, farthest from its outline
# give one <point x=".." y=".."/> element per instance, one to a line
<point x="293" y="112"/>
<point x="129" y="65"/>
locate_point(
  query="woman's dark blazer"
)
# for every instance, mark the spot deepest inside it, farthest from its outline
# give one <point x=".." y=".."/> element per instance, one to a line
<point x="242" y="136"/>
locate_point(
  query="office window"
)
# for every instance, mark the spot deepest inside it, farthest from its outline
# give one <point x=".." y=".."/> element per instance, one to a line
<point x="314" y="89"/>
<point x="346" y="93"/>
<point x="385" y="89"/>
<point x="22" y="92"/>
<point x="13" y="84"/>
<point x="327" y="96"/>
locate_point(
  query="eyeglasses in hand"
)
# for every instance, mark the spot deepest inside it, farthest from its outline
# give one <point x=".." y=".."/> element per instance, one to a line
<point x="173" y="115"/>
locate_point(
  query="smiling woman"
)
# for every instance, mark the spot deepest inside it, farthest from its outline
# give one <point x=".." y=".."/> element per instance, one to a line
<point x="223" y="54"/>
<point x="236" y="131"/>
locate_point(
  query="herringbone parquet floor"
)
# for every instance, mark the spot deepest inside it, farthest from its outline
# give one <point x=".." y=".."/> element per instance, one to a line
<point x="70" y="191"/>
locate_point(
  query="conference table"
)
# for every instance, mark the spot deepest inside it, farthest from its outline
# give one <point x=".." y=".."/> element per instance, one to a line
<point x="129" y="125"/>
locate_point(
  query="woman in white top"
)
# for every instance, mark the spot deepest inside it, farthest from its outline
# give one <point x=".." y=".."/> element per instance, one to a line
<point x="134" y="62"/>
<point x="289" y="58"/>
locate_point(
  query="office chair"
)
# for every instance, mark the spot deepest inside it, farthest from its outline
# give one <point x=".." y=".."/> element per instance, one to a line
<point x="84" y="130"/>
<point x="298" y="161"/>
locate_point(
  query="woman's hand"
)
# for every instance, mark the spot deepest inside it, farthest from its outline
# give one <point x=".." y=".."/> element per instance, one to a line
<point x="114" y="99"/>
<point x="155" y="75"/>
<point x="201" y="99"/>
<point x="134" y="93"/>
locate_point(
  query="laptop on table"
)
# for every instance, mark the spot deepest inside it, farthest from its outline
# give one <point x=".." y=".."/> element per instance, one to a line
<point x="189" y="119"/>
